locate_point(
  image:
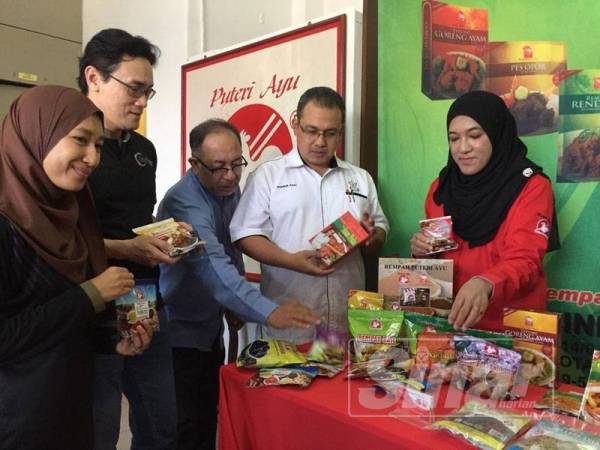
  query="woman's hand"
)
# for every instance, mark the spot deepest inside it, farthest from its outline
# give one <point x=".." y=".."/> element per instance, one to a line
<point x="139" y="340"/>
<point x="470" y="303"/>
<point x="113" y="282"/>
<point x="420" y="245"/>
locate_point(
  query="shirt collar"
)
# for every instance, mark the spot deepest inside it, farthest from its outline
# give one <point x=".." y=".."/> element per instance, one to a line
<point x="196" y="182"/>
<point x="293" y="159"/>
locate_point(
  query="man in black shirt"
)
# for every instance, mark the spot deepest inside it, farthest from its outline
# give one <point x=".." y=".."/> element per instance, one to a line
<point x="116" y="73"/>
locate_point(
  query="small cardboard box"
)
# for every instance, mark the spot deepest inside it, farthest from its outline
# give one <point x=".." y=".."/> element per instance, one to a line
<point x="339" y="238"/>
<point x="425" y="283"/>
<point x="536" y="335"/>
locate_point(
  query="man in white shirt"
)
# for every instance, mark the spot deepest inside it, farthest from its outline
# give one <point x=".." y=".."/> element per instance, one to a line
<point x="288" y="200"/>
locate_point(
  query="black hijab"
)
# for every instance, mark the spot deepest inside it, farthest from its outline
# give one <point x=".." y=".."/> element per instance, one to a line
<point x="479" y="203"/>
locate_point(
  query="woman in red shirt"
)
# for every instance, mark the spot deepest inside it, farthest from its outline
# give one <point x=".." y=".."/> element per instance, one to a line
<point x="502" y="208"/>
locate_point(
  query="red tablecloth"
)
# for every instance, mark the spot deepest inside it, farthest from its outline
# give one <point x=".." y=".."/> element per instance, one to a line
<point x="328" y="415"/>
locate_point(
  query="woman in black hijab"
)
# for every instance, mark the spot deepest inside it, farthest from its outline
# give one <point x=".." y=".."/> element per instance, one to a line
<point x="502" y="208"/>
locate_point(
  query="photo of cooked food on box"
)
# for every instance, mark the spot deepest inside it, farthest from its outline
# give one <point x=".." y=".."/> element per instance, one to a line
<point x="525" y="75"/>
<point x="579" y="126"/>
<point x="421" y="283"/>
<point x="454" y="39"/>
<point x="536" y="336"/>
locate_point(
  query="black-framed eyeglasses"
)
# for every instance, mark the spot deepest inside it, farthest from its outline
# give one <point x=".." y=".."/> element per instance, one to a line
<point x="219" y="172"/>
<point x="137" y="90"/>
<point x="314" y="133"/>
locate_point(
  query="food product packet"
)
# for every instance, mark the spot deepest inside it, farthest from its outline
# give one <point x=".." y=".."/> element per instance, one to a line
<point x="525" y="75"/>
<point x="549" y="435"/>
<point x="415" y="322"/>
<point x="270" y="353"/>
<point x="482" y="426"/>
<point x="170" y="231"/>
<point x="300" y="376"/>
<point x="590" y="404"/>
<point x="439" y="232"/>
<point x="485" y="369"/>
<point x="536" y="336"/>
<point x="328" y="347"/>
<point x="579" y="126"/>
<point x="338" y="239"/>
<point x="385" y="364"/>
<point x="137" y="305"/>
<point x="454" y="39"/>
<point x="365" y="300"/>
<point x="434" y="348"/>
<point x="417" y="283"/>
<point x="567" y="403"/>
<point x="325" y="369"/>
<point x="374" y="331"/>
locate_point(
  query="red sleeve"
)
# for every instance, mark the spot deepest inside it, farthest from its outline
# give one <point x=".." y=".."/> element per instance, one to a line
<point x="523" y="240"/>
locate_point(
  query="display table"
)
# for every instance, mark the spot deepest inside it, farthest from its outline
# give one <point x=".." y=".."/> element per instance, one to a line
<point x="330" y="414"/>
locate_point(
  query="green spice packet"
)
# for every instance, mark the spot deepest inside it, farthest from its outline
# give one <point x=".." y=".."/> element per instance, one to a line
<point x="579" y="126"/>
<point x="374" y="331"/>
<point x="415" y="323"/>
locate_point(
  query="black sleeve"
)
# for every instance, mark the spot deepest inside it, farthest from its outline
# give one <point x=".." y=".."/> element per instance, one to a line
<point x="35" y="329"/>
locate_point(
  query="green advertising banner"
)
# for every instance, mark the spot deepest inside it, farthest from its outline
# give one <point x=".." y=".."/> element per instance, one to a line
<point x="413" y="148"/>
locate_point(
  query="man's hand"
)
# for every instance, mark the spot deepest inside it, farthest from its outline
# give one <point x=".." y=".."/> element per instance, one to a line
<point x="147" y="250"/>
<point x="138" y="342"/>
<point x="470" y="304"/>
<point x="292" y="314"/>
<point x="420" y="245"/>
<point x="309" y="262"/>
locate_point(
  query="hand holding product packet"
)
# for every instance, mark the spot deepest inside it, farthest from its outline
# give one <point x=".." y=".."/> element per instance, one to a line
<point x="182" y="240"/>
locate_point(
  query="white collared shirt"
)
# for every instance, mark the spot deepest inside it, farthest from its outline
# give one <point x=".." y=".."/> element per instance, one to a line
<point x="288" y="202"/>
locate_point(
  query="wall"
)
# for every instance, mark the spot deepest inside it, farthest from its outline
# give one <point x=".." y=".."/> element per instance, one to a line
<point x="186" y="28"/>
<point x="30" y="45"/>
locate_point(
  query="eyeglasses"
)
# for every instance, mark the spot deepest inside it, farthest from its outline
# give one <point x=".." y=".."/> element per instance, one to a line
<point x="314" y="133"/>
<point x="220" y="172"/>
<point x="135" y="90"/>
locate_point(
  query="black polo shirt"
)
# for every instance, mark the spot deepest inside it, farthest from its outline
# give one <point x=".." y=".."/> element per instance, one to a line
<point x="124" y="189"/>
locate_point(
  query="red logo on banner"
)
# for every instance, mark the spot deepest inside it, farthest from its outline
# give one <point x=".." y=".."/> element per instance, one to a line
<point x="261" y="128"/>
<point x="527" y="52"/>
<point x="597" y="83"/>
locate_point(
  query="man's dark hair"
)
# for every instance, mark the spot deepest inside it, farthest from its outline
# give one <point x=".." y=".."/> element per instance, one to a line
<point x="199" y="132"/>
<point x="322" y="96"/>
<point x="106" y="50"/>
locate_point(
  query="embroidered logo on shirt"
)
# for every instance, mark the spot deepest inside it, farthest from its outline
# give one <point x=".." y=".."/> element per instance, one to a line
<point x="282" y="186"/>
<point x="142" y="160"/>
<point x="543" y="227"/>
<point x="528" y="172"/>
<point x="353" y="190"/>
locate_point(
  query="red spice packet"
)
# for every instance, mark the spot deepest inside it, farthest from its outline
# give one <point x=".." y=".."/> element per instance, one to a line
<point x="439" y="232"/>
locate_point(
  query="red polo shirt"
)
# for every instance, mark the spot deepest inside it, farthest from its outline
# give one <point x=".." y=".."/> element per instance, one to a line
<point x="513" y="260"/>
